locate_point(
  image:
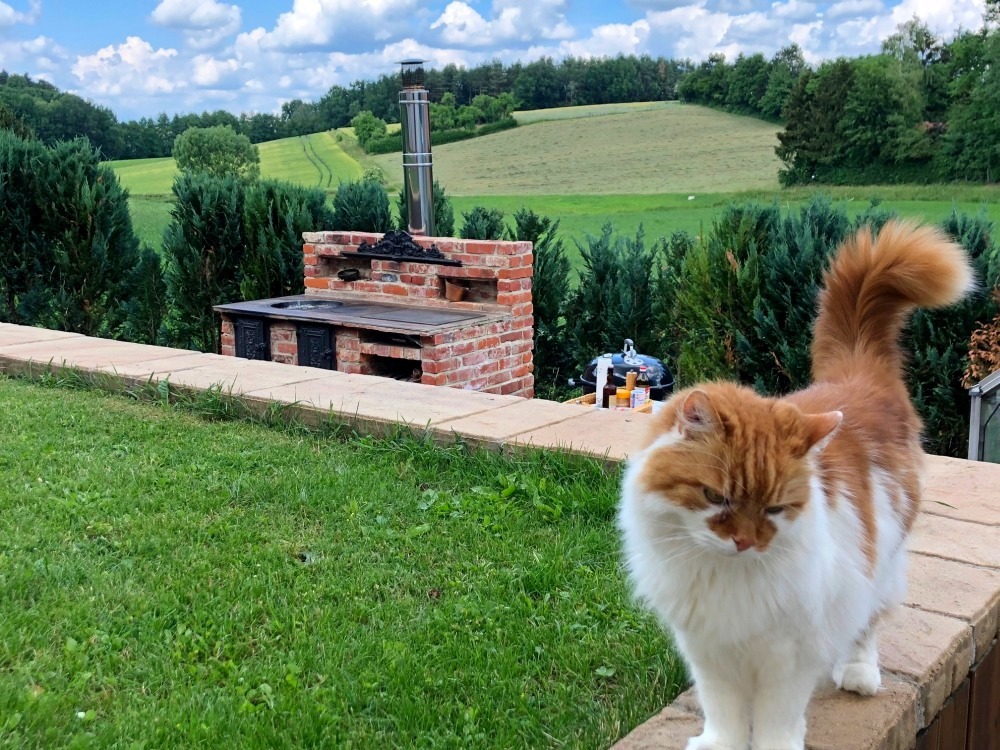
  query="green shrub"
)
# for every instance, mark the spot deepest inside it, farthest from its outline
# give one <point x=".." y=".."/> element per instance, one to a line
<point x="442" y="137"/>
<point x="482" y="223"/>
<point x="444" y="212"/>
<point x="375" y="174"/>
<point x="68" y="250"/>
<point x="774" y="353"/>
<point x="495" y="127"/>
<point x="26" y="258"/>
<point x="550" y="290"/>
<point x="203" y="246"/>
<point x="146" y="311"/>
<point x="276" y="215"/>
<point x="218" y="151"/>
<point x="938" y="342"/>
<point x="384" y="144"/>
<point x="362" y="206"/>
<point x="717" y="292"/>
<point x="367" y="127"/>
<point x="614" y="298"/>
<point x="666" y="285"/>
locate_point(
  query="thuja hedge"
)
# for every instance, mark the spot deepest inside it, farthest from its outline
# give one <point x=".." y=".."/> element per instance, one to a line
<point x="231" y="240"/>
<point x="744" y="300"/>
<point x="69" y="256"/>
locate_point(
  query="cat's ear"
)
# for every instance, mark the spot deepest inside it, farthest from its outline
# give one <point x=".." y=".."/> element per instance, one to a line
<point x="697" y="415"/>
<point x="820" y="429"/>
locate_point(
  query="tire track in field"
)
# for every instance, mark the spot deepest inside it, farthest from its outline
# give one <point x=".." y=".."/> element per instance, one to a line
<point x="304" y="141"/>
<point x="329" y="171"/>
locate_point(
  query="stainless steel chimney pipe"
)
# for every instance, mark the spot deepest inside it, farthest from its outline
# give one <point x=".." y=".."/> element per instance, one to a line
<point x="418" y="177"/>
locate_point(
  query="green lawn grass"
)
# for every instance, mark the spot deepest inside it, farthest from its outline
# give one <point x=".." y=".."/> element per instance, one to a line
<point x="315" y="160"/>
<point x="174" y="582"/>
<point x="146" y="176"/>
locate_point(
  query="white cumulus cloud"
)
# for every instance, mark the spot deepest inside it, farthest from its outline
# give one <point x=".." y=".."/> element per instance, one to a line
<point x="609" y="40"/>
<point x="512" y="21"/>
<point x="205" y="23"/>
<point x="209" y="72"/>
<point x="353" y="24"/>
<point x="132" y="67"/>
<point x="11" y="17"/>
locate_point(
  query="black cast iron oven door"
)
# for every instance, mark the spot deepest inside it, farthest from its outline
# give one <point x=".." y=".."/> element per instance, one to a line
<point x="253" y="338"/>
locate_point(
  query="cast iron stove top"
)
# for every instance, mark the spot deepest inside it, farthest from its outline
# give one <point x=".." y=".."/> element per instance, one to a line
<point x="407" y="318"/>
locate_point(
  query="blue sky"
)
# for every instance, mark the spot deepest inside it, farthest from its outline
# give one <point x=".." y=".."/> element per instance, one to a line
<point x="142" y="57"/>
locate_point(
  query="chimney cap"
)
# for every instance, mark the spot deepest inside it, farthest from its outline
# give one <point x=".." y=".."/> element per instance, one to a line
<point x="413" y="73"/>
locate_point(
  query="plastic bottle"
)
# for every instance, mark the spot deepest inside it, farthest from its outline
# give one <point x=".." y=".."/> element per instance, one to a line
<point x="603" y="363"/>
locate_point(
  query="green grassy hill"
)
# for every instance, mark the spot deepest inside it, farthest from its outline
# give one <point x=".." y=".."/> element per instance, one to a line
<point x="315" y="160"/>
<point x="669" y="148"/>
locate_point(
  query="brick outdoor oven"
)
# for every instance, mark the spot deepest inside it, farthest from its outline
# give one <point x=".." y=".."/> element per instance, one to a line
<point x="394" y="320"/>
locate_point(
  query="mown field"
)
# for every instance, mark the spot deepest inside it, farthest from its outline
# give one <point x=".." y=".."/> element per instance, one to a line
<point x="664" y="165"/>
<point x="670" y="149"/>
<point x="528" y="116"/>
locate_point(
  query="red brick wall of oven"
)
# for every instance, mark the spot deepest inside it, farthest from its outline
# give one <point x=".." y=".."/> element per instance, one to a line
<point x="496" y="357"/>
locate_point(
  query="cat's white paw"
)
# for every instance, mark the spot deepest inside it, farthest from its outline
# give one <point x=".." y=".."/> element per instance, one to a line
<point x="709" y="743"/>
<point x="858" y="677"/>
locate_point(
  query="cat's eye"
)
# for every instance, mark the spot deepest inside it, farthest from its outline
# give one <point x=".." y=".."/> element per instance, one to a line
<point x="773" y="510"/>
<point x="714" y="497"/>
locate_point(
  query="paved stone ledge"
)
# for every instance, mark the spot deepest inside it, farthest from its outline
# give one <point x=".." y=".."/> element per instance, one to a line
<point x="948" y="625"/>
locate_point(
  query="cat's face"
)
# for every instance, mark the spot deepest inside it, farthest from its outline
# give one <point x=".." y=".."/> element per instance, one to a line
<point x="730" y="469"/>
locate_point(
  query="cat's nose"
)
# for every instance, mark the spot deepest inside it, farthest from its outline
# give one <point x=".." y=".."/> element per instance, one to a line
<point x="742" y="543"/>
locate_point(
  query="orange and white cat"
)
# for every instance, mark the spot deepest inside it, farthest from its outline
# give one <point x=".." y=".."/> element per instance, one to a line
<point x="768" y="533"/>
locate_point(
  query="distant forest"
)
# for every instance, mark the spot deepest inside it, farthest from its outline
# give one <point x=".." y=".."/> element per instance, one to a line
<point x="54" y="115"/>
<point x="922" y="110"/>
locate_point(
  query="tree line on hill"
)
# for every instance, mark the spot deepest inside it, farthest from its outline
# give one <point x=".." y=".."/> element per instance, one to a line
<point x="922" y="110"/>
<point x="54" y="115"/>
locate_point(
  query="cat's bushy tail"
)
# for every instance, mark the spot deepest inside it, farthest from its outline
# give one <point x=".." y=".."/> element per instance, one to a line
<point x="870" y="290"/>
